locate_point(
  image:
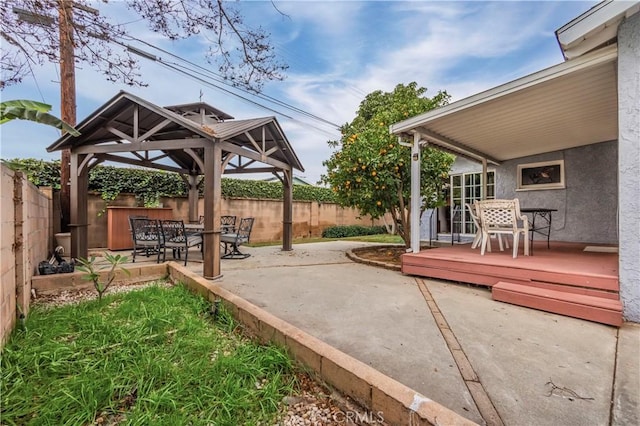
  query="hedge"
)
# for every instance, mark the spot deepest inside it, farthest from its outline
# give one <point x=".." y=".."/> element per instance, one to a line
<point x="150" y="185"/>
<point x="352" y="231"/>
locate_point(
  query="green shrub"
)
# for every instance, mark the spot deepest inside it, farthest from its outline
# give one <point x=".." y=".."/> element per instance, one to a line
<point x="352" y="231"/>
<point x="38" y="172"/>
<point x="149" y="185"/>
<point x="243" y="188"/>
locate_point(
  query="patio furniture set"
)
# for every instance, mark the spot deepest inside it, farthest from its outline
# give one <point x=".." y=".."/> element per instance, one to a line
<point x="155" y="236"/>
<point x="505" y="217"/>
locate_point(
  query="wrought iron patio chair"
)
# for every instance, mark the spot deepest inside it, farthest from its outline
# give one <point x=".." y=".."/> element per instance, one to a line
<point x="234" y="240"/>
<point x="503" y="217"/>
<point x="177" y="239"/>
<point x="146" y="235"/>
<point x="131" y="228"/>
<point x="227" y="224"/>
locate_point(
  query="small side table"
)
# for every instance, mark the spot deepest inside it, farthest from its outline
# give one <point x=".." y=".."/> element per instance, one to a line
<point x="543" y="226"/>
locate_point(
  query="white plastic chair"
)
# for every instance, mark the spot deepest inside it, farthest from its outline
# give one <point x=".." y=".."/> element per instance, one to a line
<point x="503" y="217"/>
<point x="477" y="239"/>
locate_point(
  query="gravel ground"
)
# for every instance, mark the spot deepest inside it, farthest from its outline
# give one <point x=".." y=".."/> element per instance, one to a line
<point x="315" y="405"/>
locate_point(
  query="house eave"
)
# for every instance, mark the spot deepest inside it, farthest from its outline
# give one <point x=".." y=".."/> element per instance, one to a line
<point x="595" y="28"/>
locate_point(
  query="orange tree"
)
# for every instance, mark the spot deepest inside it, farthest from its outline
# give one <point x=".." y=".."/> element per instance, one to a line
<point x="371" y="171"/>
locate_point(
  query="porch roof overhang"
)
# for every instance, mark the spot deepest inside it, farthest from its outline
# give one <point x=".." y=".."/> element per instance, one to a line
<point x="568" y="105"/>
<point x="131" y="130"/>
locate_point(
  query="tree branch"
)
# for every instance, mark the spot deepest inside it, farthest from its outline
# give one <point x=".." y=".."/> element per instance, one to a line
<point x="35" y="39"/>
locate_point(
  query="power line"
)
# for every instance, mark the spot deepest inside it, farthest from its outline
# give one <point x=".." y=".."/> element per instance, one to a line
<point x="221" y="79"/>
<point x="266" y="98"/>
<point x="205" y="75"/>
<point x="210" y="84"/>
<point x="208" y="74"/>
<point x="35" y="81"/>
<point x="189" y="73"/>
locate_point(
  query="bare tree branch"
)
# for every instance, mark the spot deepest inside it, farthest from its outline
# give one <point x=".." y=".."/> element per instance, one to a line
<point x="243" y="55"/>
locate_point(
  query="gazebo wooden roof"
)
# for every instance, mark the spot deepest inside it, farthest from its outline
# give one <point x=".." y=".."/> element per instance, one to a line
<point x="193" y="140"/>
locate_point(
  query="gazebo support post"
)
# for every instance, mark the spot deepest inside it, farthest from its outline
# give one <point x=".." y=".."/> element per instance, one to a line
<point x="212" y="206"/>
<point x="287" y="210"/>
<point x="78" y="215"/>
<point x="194" y="214"/>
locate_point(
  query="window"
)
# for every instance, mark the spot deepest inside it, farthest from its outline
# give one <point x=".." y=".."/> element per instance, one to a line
<point x="544" y="175"/>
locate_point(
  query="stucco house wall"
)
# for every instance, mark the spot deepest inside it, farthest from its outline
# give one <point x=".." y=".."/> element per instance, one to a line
<point x="587" y="207"/>
<point x="629" y="164"/>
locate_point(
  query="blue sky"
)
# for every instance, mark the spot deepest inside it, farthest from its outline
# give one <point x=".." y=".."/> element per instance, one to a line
<point x="337" y="52"/>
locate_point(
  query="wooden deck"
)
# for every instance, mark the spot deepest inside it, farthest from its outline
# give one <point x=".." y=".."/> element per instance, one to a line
<point x="564" y="279"/>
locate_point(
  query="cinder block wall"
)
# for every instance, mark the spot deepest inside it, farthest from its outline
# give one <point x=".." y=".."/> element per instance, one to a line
<point x="37" y="236"/>
<point x="309" y="218"/>
<point x="7" y="256"/>
<point x="26" y="232"/>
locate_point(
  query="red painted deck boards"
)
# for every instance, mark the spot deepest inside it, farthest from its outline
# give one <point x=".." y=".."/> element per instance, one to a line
<point x="581" y="299"/>
<point x="564" y="263"/>
<point x="605" y="311"/>
<point x="563" y="279"/>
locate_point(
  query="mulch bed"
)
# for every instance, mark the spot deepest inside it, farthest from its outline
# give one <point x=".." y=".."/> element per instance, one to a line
<point x="384" y="254"/>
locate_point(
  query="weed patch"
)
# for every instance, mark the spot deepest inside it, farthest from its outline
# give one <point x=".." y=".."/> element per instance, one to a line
<point x="153" y="356"/>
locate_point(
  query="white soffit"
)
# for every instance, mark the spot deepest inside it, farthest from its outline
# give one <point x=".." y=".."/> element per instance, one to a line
<point x="571" y="104"/>
<point x="596" y="27"/>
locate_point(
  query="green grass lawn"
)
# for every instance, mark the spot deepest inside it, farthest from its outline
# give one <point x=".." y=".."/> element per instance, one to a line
<point x="156" y="356"/>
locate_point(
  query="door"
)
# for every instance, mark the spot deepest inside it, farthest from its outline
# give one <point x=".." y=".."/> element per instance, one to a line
<point x="467" y="188"/>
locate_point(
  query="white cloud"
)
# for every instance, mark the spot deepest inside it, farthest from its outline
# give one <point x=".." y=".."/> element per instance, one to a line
<point x="338" y="53"/>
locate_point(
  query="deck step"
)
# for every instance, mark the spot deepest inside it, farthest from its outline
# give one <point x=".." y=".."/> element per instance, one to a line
<point x="592" y="308"/>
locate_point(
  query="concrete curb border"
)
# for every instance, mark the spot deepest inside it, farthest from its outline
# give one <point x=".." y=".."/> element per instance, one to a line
<point x="73" y="281"/>
<point x="380" y="394"/>
<point x="397" y="403"/>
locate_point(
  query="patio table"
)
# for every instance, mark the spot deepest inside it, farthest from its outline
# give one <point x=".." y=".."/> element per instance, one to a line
<point x="544" y="222"/>
<point x="199" y="227"/>
<point x="196" y="227"/>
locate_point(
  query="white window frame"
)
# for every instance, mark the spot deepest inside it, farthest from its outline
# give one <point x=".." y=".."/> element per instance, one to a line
<point x="465" y="220"/>
<point x="522" y="186"/>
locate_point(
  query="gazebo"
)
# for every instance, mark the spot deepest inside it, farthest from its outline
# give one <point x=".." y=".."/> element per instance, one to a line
<point x="195" y="140"/>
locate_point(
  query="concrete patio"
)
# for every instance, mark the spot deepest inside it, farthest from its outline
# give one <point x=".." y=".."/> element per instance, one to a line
<point x="488" y="361"/>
